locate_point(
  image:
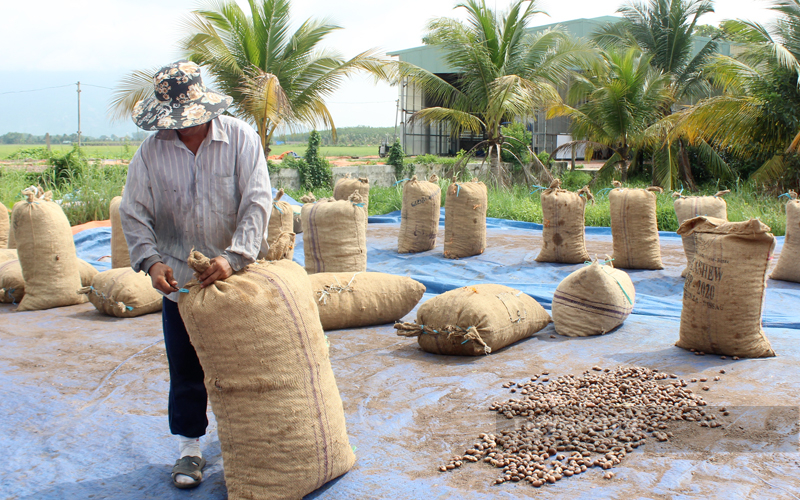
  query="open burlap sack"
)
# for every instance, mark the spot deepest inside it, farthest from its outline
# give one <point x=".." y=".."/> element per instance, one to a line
<point x="8" y="254"/>
<point x="351" y="300"/>
<point x="788" y="268"/>
<point x="123" y="293"/>
<point x="689" y="207"/>
<point x="4" y="226"/>
<point x="47" y="254"/>
<point x="724" y="289"/>
<point x="12" y="284"/>
<point x="12" y="242"/>
<point x="87" y="272"/>
<point x="120" y="257"/>
<point x="465" y="208"/>
<point x="564" y="227"/>
<point x="335" y="238"/>
<point x="475" y="320"/>
<point x="593" y="300"/>
<point x="268" y="373"/>
<point x="634" y="228"/>
<point x="346" y="186"/>
<point x="419" y="220"/>
<point x="281" y="227"/>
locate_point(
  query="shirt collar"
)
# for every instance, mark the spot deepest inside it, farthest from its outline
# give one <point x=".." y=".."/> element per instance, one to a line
<point x="216" y="133"/>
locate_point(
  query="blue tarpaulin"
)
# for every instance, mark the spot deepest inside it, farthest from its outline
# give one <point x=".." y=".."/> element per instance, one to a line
<point x="83" y="396"/>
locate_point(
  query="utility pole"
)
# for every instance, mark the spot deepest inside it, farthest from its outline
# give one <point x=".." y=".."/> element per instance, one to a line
<point x="79" y="114"/>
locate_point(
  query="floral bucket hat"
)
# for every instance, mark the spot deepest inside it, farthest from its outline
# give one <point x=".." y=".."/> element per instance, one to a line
<point x="180" y="100"/>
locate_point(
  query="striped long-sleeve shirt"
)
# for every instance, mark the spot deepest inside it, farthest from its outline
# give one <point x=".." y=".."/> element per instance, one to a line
<point x="217" y="202"/>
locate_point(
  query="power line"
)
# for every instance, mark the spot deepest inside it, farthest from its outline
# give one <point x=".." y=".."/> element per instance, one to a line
<point x="56" y="87"/>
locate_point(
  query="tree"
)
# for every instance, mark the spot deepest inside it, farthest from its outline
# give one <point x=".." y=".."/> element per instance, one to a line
<point x="314" y="170"/>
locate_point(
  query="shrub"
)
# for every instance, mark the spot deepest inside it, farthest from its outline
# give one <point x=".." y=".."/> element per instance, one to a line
<point x="517" y="138"/>
<point x="396" y="155"/>
<point x="314" y="170"/>
<point x="575" y="180"/>
<point x="67" y="169"/>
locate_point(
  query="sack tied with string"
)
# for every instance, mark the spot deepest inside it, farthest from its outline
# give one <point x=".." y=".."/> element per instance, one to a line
<point x="475" y="320"/>
<point x="280" y="231"/>
<point x="419" y="220"/>
<point x="12" y="284"/>
<point x="788" y="268"/>
<point x="352" y="300"/>
<point x="634" y="228"/>
<point x="689" y="207"/>
<point x="335" y="240"/>
<point x="268" y="374"/>
<point x="347" y="185"/>
<point x="120" y="256"/>
<point x="563" y="228"/>
<point x="465" y="208"/>
<point x="123" y="293"/>
<point x="593" y="300"/>
<point x="724" y="291"/>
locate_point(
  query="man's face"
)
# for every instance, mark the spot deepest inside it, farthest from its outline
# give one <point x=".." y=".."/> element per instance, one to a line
<point x="197" y="130"/>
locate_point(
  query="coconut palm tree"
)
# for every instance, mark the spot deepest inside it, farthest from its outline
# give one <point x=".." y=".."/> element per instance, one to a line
<point x="277" y="78"/>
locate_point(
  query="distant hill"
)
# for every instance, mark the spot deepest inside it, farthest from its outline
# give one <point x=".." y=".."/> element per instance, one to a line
<point x="346" y="136"/>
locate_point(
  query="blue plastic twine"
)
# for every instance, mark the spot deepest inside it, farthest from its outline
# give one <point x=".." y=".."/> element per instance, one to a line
<point x="401" y="180"/>
<point x="183" y="290"/>
<point x="538" y="188"/>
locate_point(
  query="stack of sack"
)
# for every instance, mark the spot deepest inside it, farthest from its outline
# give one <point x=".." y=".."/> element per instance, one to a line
<point x="335" y="238"/>
<point x="788" y="268"/>
<point x="465" y="208"/>
<point x="563" y="214"/>
<point x="689" y="207"/>
<point x="419" y="220"/>
<point x="634" y="227"/>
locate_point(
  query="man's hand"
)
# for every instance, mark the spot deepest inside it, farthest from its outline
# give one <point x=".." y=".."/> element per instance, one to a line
<point x="161" y="276"/>
<point x="219" y="269"/>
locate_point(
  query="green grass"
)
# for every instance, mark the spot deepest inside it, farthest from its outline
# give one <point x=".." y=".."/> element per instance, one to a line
<point x="300" y="149"/>
<point x="99" y="152"/>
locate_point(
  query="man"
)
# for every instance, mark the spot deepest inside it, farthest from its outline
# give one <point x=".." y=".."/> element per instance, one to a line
<point x="200" y="182"/>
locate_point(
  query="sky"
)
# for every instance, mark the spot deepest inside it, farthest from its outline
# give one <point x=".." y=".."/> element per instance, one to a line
<point x="53" y="43"/>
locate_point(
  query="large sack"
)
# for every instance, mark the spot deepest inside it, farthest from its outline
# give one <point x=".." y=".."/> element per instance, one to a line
<point x="634" y="228"/>
<point x="689" y="207"/>
<point x="724" y="289"/>
<point x="120" y="257"/>
<point x="475" y="320"/>
<point x="465" y="208"/>
<point x="346" y="186"/>
<point x="335" y="238"/>
<point x="87" y="272"/>
<point x="123" y="293"/>
<point x="350" y="300"/>
<point x="419" y="220"/>
<point x="4" y="226"/>
<point x="12" y="284"/>
<point x="8" y="254"/>
<point x="788" y="268"/>
<point x="563" y="225"/>
<point x="268" y="373"/>
<point x="281" y="227"/>
<point x="593" y="300"/>
<point x="47" y="254"/>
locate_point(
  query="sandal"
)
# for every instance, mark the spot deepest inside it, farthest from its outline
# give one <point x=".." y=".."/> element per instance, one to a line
<point x="189" y="466"/>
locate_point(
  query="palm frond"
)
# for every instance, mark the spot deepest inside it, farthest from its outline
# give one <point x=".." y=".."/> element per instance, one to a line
<point x="131" y="89"/>
<point x="458" y="120"/>
<point x="770" y="171"/>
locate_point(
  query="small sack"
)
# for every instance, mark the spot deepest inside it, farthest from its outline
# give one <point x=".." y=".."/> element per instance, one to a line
<point x="788" y="268"/>
<point x="593" y="300"/>
<point x="123" y="293"/>
<point x="281" y="225"/>
<point x="351" y="300"/>
<point x="120" y="257"/>
<point x="282" y="248"/>
<point x="346" y="186"/>
<point x="7" y="254"/>
<point x="419" y="221"/>
<point x="4" y="226"/>
<point x="297" y="219"/>
<point x="47" y="253"/>
<point x="335" y="240"/>
<point x="475" y="320"/>
<point x="724" y="289"/>
<point x="634" y="228"/>
<point x="12" y="284"/>
<point x="87" y="271"/>
<point x="465" y="208"/>
<point x="268" y="373"/>
<point x="563" y="225"/>
<point x="689" y="207"/>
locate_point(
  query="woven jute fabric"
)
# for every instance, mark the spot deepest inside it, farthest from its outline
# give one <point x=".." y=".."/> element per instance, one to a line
<point x="120" y="257"/>
<point x="297" y="215"/>
<point x="281" y="248"/>
<point x="12" y="284"/>
<point x="8" y="254"/>
<point x="724" y="289"/>
<point x="267" y="369"/>
<point x="347" y="185"/>
<point x="419" y="219"/>
<point x="87" y="272"/>
<point x="788" y="268"/>
<point x="475" y="320"/>
<point x="47" y="254"/>
<point x="689" y="207"/>
<point x="335" y="238"/>
<point x="123" y="293"/>
<point x="634" y="229"/>
<point x="350" y="300"/>
<point x="4" y="226"/>
<point x="465" y="208"/>
<point x="281" y="221"/>
<point x="563" y="227"/>
<point x="12" y="242"/>
<point x="593" y="300"/>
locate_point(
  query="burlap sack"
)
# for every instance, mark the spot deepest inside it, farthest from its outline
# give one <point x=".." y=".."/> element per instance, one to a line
<point x="475" y="320"/>
<point x="87" y="272"/>
<point x="634" y="228"/>
<point x="689" y="207"/>
<point x="563" y="225"/>
<point x="280" y="419"/>
<point x="724" y="289"/>
<point x="593" y="300"/>
<point x="8" y="254"/>
<point x="346" y="186"/>
<point x="4" y="226"/>
<point x="123" y="293"/>
<point x="281" y="225"/>
<point x="120" y="257"/>
<point x="465" y="208"/>
<point x="351" y="300"/>
<point x="419" y="220"/>
<point x="335" y="240"/>
<point x="47" y="254"/>
<point x="788" y="268"/>
<point x="297" y="217"/>
<point x="12" y="284"/>
<point x="12" y="242"/>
